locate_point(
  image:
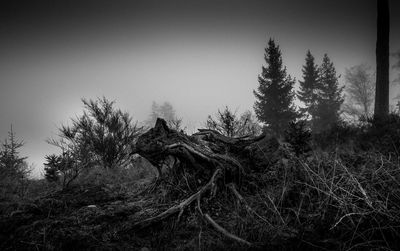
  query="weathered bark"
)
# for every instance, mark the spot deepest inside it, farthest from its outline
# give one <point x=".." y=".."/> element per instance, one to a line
<point x="213" y="160"/>
<point x="205" y="150"/>
<point x="382" y="60"/>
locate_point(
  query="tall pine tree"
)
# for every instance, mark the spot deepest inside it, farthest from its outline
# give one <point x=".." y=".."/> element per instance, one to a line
<point x="308" y="87"/>
<point x="329" y="98"/>
<point x="274" y="104"/>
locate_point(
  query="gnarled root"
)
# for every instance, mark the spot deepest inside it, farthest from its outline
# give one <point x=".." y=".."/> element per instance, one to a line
<point x="210" y="186"/>
<point x="181" y="206"/>
<point x="204" y="153"/>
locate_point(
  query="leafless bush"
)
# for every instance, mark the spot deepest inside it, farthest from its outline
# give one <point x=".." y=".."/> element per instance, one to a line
<point x="350" y="200"/>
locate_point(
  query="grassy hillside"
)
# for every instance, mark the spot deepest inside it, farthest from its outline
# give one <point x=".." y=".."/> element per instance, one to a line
<point x="342" y="192"/>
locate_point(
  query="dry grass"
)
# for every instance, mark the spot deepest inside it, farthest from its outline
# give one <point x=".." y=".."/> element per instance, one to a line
<point x="333" y="200"/>
<point x="341" y="200"/>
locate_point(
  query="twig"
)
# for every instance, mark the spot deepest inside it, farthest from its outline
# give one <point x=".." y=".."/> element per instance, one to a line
<point x="344" y="216"/>
<point x="276" y="209"/>
<point x="201" y="230"/>
<point x="363" y="192"/>
<point x="232" y="187"/>
<point x="225" y="232"/>
<point x="181" y="206"/>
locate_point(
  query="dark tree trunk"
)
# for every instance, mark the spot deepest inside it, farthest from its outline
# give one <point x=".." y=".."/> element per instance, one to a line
<point x="382" y="60"/>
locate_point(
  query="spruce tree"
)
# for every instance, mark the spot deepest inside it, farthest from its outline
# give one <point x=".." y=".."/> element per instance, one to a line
<point x="308" y="87"/>
<point x="14" y="170"/>
<point x="10" y="162"/>
<point x="329" y="98"/>
<point x="274" y="104"/>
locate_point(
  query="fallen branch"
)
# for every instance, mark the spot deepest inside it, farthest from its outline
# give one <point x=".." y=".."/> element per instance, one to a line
<point x="181" y="206"/>
<point x="189" y="149"/>
<point x="224" y="231"/>
<point x="241" y="200"/>
<point x="246" y="140"/>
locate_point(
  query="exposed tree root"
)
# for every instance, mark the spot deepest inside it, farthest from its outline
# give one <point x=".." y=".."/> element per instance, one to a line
<point x="181" y="206"/>
<point x="199" y="155"/>
<point x="190" y="153"/>
<point x="210" y="186"/>
<point x="224" y="231"/>
<point x="212" y="135"/>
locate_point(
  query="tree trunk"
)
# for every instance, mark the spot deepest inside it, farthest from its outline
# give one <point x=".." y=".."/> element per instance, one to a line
<point x="382" y="60"/>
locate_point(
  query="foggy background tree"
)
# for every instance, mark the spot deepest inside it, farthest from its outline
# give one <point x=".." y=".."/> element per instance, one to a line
<point x="102" y="136"/>
<point x="274" y="96"/>
<point x="249" y="124"/>
<point x="308" y="87"/>
<point x="330" y="97"/>
<point x="229" y="124"/>
<point x="382" y="60"/>
<point x="167" y="112"/>
<point x="360" y="91"/>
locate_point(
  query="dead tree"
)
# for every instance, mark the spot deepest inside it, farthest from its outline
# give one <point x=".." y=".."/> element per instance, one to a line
<point x="208" y="157"/>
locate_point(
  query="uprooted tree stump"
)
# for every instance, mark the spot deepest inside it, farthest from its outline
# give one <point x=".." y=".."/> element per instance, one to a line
<point x="201" y="165"/>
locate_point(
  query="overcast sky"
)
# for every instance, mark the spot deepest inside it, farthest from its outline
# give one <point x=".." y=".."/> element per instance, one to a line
<point x="199" y="55"/>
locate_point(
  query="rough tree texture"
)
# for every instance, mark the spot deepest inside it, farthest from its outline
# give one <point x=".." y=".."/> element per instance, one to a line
<point x="382" y="60"/>
<point x="206" y="150"/>
<point x="208" y="157"/>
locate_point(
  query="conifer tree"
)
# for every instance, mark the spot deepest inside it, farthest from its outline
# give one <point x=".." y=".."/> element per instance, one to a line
<point x="274" y="104"/>
<point x="10" y="161"/>
<point x="14" y="169"/>
<point x="308" y="87"/>
<point x="329" y="98"/>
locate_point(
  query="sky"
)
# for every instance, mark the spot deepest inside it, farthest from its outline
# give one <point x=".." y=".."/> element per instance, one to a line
<point x="198" y="55"/>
